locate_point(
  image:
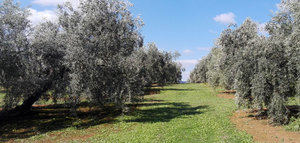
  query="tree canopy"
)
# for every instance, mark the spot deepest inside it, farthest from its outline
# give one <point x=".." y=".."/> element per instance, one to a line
<point x="94" y="52"/>
<point x="264" y="70"/>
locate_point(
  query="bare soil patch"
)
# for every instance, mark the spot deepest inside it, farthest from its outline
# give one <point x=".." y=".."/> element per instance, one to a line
<point x="260" y="129"/>
<point x="226" y="96"/>
<point x="228" y="91"/>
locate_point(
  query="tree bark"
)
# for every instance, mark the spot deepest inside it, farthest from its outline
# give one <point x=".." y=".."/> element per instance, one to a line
<point x="27" y="104"/>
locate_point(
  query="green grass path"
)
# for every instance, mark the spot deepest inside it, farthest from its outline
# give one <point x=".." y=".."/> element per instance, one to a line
<point x="187" y="113"/>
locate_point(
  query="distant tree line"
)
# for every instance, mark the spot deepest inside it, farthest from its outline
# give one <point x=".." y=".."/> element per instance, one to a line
<point x="264" y="70"/>
<point x="94" y="51"/>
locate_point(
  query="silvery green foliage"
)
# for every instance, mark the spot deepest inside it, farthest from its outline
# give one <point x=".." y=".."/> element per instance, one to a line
<point x="47" y="53"/>
<point x="270" y="84"/>
<point x="267" y="67"/>
<point x="94" y="52"/>
<point x="100" y="36"/>
<point x="245" y="63"/>
<point x="278" y="71"/>
<point x="159" y="67"/>
<point x="199" y="73"/>
<point x="13" y="32"/>
<point x="263" y="70"/>
<point x="261" y="76"/>
<point x="214" y="74"/>
<point x="105" y="54"/>
<point x="232" y="41"/>
<point x="261" y="89"/>
<point x="13" y="47"/>
<point x="29" y="67"/>
<point x="208" y="69"/>
<point x="293" y="47"/>
<point x="284" y="44"/>
<point x="287" y="22"/>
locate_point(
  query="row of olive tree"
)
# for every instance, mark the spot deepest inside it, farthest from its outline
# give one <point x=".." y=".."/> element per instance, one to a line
<point x="158" y="66"/>
<point x="264" y="70"/>
<point x="94" y="51"/>
<point x="199" y="73"/>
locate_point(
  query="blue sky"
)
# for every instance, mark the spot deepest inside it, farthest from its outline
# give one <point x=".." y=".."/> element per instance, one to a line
<point x="187" y="26"/>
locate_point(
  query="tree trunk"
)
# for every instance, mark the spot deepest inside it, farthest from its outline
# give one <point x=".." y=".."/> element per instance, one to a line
<point x="27" y="104"/>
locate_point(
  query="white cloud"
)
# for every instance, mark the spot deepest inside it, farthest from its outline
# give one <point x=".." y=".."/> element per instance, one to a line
<point x="225" y="18"/>
<point x="48" y="2"/>
<point x="188" y="62"/>
<point x="262" y="28"/>
<point x="185" y="75"/>
<point x="37" y="17"/>
<point x="188" y="65"/>
<point x="187" y="51"/>
<point x="54" y="2"/>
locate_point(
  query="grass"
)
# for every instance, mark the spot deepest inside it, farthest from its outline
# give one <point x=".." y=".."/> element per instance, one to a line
<point x="294" y="124"/>
<point x="294" y="100"/>
<point x="180" y="113"/>
<point x="2" y="93"/>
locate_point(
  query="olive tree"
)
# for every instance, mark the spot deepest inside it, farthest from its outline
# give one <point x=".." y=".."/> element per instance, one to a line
<point x="283" y="54"/>
<point x="14" y="44"/>
<point x="100" y="36"/>
<point x="159" y="67"/>
<point x="245" y="62"/>
<point x="214" y="74"/>
<point x="31" y="62"/>
<point x="232" y="41"/>
<point x="261" y="71"/>
<point x="48" y="52"/>
<point x="105" y="56"/>
<point x="284" y="27"/>
<point x="264" y="70"/>
<point x="266" y="67"/>
<point x="199" y="73"/>
<point x="207" y="70"/>
<point x="94" y="52"/>
<point x="87" y="53"/>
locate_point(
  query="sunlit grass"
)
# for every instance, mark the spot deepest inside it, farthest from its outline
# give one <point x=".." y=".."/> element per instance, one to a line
<point x="2" y="94"/>
<point x="184" y="113"/>
<point x="294" y="100"/>
<point x="294" y="124"/>
<point x="180" y="113"/>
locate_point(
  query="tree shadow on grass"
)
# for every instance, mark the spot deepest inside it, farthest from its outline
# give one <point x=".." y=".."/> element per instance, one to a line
<point x="177" y="89"/>
<point x="167" y="112"/>
<point x="54" y="117"/>
<point x="150" y="91"/>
